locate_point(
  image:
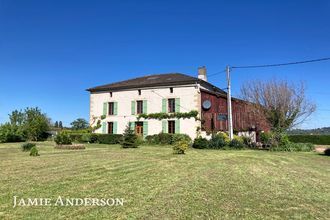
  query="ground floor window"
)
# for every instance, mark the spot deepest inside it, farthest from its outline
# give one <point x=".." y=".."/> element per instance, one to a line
<point x="171" y="127"/>
<point x="110" y="127"/>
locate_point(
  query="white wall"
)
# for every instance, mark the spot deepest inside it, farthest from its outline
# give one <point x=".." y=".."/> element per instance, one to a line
<point x="189" y="100"/>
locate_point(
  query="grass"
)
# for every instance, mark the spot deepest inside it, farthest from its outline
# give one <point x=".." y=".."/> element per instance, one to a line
<point x="202" y="184"/>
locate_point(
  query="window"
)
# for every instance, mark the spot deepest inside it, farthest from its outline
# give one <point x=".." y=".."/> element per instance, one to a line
<point x="171" y="105"/>
<point x="171" y="127"/>
<point x="171" y="90"/>
<point x="111" y="108"/>
<point x="139" y="91"/>
<point x="139" y="109"/>
<point x="110" y="127"/>
<point x="110" y="94"/>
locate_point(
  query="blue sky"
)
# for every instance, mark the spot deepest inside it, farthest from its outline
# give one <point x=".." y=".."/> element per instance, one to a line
<point x="51" y="51"/>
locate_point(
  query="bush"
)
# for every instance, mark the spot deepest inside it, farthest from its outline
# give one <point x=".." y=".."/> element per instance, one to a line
<point x="161" y="138"/>
<point x="27" y="146"/>
<point x="217" y="142"/>
<point x="109" y="138"/>
<point x="274" y="139"/>
<point x="130" y="139"/>
<point x="34" y="152"/>
<point x="327" y="152"/>
<point x="247" y="141"/>
<point x="63" y="138"/>
<point x="314" y="139"/>
<point x="201" y="143"/>
<point x="9" y="133"/>
<point x="305" y="147"/>
<point x="181" y="137"/>
<point x="236" y="143"/>
<point x="180" y="146"/>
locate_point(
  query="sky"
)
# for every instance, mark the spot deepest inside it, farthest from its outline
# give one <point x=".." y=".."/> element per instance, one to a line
<point x="52" y="51"/>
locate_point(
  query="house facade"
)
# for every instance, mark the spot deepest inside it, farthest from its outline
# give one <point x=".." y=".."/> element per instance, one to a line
<point x="118" y="105"/>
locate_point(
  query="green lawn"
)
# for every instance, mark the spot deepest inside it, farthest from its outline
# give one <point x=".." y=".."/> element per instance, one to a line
<point x="204" y="184"/>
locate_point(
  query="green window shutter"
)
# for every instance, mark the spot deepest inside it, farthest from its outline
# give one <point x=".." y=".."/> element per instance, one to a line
<point x="105" y="108"/>
<point x="115" y="108"/>
<point x="164" y="126"/>
<point x="177" y="105"/>
<point x="115" y="127"/>
<point x="104" y="127"/>
<point x="164" y="101"/>
<point x="145" y="128"/>
<point x="145" y="106"/>
<point x="132" y="126"/>
<point x="133" y="107"/>
<point x="177" y="126"/>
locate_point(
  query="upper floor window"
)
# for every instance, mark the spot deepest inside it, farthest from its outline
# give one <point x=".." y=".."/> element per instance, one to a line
<point x="139" y="91"/>
<point x="139" y="107"/>
<point x="171" y="90"/>
<point x="110" y="94"/>
<point x="171" y="105"/>
<point x="111" y="108"/>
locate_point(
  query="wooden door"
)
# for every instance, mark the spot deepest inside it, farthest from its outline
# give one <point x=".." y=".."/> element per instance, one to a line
<point x="139" y="128"/>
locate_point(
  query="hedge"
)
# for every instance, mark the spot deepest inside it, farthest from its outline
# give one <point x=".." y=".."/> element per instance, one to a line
<point x="314" y="139"/>
<point x="96" y="138"/>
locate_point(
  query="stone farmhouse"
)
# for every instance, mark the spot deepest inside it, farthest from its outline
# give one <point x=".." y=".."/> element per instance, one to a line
<point x="119" y="104"/>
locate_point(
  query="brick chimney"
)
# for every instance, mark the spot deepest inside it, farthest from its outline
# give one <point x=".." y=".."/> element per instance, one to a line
<point x="202" y="73"/>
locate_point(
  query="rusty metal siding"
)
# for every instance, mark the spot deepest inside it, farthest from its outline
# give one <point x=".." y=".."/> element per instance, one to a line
<point x="244" y="116"/>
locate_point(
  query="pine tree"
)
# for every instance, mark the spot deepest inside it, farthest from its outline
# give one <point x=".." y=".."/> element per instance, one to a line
<point x="56" y="124"/>
<point x="60" y="125"/>
<point x="130" y="139"/>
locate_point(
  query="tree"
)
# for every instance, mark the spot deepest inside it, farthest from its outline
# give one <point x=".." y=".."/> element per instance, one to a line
<point x="56" y="124"/>
<point x="130" y="139"/>
<point x="79" y="124"/>
<point x="60" y="124"/>
<point x="35" y="124"/>
<point x="284" y="105"/>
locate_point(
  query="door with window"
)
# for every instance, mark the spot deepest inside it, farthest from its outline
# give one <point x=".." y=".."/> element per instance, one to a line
<point x="139" y="128"/>
<point x="171" y="127"/>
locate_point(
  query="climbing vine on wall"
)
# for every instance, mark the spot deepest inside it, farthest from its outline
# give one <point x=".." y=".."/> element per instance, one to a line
<point x="162" y="115"/>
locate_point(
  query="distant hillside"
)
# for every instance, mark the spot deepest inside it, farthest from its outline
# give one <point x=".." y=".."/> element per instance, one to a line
<point x="325" y="130"/>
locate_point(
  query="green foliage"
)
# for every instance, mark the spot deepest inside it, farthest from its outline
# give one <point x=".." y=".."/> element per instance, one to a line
<point x="327" y="152"/>
<point x="180" y="146"/>
<point x="181" y="137"/>
<point x="162" y="115"/>
<point x="315" y="139"/>
<point x="109" y="138"/>
<point x="161" y="138"/>
<point x="306" y="147"/>
<point x="63" y="138"/>
<point x="11" y="133"/>
<point x="35" y="124"/>
<point x="79" y="124"/>
<point x="236" y="143"/>
<point x="247" y="141"/>
<point x="130" y="139"/>
<point x="27" y="146"/>
<point x="274" y="139"/>
<point x="217" y="141"/>
<point x="34" y="152"/>
<point x="201" y="143"/>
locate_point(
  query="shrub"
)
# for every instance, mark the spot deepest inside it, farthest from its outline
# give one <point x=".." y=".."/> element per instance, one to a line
<point x="161" y="138"/>
<point x="9" y="133"/>
<point x="201" y="143"/>
<point x="327" y="152"/>
<point x="273" y="139"/>
<point x="130" y="139"/>
<point x="247" y="141"/>
<point x="181" y="137"/>
<point x="109" y="138"/>
<point x="306" y="147"/>
<point x="27" y="146"/>
<point x="34" y="152"/>
<point x="217" y="142"/>
<point x="314" y="139"/>
<point x="236" y="144"/>
<point x="180" y="146"/>
<point x="63" y="138"/>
